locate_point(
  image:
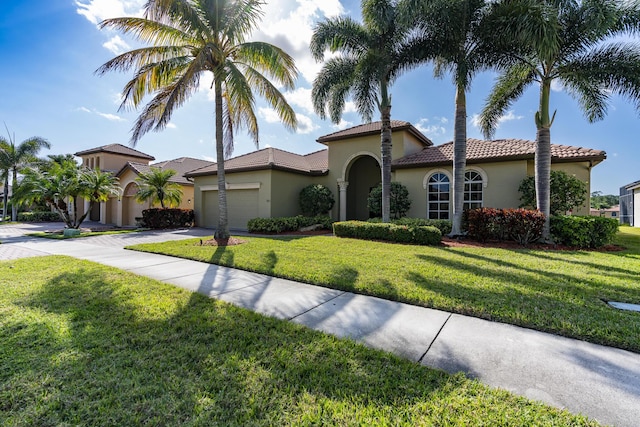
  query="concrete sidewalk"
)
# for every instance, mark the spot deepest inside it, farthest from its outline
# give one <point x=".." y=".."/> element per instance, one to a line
<point x="597" y="381"/>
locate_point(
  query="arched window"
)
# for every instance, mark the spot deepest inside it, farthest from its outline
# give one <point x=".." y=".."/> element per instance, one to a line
<point x="472" y="190"/>
<point x="438" y="196"/>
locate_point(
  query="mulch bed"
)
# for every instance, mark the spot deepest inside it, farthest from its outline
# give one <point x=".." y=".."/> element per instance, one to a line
<point x="467" y="243"/>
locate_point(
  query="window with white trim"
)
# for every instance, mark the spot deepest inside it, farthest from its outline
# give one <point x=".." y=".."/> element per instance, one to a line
<point x="473" y="185"/>
<point x="438" y="196"/>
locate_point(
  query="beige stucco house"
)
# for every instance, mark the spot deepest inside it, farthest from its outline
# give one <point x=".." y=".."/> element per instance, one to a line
<point x="126" y="164"/>
<point x="267" y="182"/>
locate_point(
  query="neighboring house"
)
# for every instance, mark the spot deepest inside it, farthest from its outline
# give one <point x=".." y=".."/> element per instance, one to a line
<point x="612" y="212"/>
<point x="267" y="182"/>
<point x="126" y="164"/>
<point x="630" y="204"/>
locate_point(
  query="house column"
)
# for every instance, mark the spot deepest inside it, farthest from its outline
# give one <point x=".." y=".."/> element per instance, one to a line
<point x="342" y="185"/>
<point x="103" y="212"/>
<point x="86" y="207"/>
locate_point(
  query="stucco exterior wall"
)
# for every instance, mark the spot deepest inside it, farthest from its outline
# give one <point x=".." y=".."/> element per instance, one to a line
<point x="109" y="161"/>
<point x="286" y="188"/>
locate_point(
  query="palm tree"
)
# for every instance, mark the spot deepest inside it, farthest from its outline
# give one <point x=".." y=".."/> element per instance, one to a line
<point x="62" y="182"/>
<point x="156" y="185"/>
<point x="191" y="38"/>
<point x="574" y="43"/>
<point x="463" y="46"/>
<point x="372" y="56"/>
<point x="13" y="158"/>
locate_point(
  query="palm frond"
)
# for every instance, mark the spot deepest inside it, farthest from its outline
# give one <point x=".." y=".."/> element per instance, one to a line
<point x="149" y="31"/>
<point x="273" y="96"/>
<point x="270" y="60"/>
<point x="333" y="81"/>
<point x="339" y="34"/>
<point x="509" y="86"/>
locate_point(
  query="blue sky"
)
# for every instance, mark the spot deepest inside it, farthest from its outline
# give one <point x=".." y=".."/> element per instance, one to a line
<point x="50" y="50"/>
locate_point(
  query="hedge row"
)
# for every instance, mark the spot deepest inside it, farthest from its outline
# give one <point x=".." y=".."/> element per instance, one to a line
<point x="290" y="223"/>
<point x="583" y="231"/>
<point x="444" y="225"/>
<point x="419" y="235"/>
<point x="167" y="218"/>
<point x="522" y="225"/>
<point x="42" y="216"/>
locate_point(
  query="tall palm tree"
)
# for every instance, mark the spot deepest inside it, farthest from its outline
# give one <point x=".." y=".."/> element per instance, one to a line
<point x="462" y="45"/>
<point x="371" y="57"/>
<point x="156" y="185"/>
<point x="15" y="157"/>
<point x="574" y="43"/>
<point x="191" y="38"/>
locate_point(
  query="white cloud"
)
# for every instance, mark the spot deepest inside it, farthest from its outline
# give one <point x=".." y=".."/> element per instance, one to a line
<point x="98" y="10"/>
<point x="350" y="107"/>
<point x="300" y="97"/>
<point x="305" y="124"/>
<point x="430" y="130"/>
<point x="111" y="117"/>
<point x="116" y="45"/>
<point x="84" y="109"/>
<point x="269" y="115"/>
<point x="289" y="25"/>
<point x="171" y="126"/>
<point x="510" y="116"/>
<point x="343" y="124"/>
<point x="208" y="158"/>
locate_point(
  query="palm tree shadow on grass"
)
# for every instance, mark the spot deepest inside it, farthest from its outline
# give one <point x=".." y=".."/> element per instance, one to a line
<point x="192" y="358"/>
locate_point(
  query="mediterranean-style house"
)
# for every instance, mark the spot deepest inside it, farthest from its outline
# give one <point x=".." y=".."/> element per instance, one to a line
<point x="267" y="182"/>
<point x="126" y="164"/>
<point x="630" y="204"/>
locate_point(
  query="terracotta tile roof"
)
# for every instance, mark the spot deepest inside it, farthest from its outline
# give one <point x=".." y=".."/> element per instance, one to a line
<point x="181" y="166"/>
<point x="479" y="151"/>
<point x="372" y="129"/>
<point x="272" y="158"/>
<point x="116" y="149"/>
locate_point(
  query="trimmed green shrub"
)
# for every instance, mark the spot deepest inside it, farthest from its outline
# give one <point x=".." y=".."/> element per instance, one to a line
<point x="583" y="231"/>
<point x="38" y="216"/>
<point x="156" y="218"/>
<point x="283" y="224"/>
<point x="316" y="199"/>
<point x="399" y="203"/>
<point x="444" y="225"/>
<point x="419" y="235"/>
<point x="522" y="225"/>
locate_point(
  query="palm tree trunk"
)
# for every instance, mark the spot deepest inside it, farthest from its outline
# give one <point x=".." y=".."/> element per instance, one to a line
<point x="543" y="158"/>
<point x="222" y="232"/>
<point x="459" y="159"/>
<point x="6" y="195"/>
<point x="385" y="150"/>
<point x="14" y="208"/>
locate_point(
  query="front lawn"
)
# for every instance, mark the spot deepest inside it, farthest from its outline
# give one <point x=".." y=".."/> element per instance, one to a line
<point x="556" y="291"/>
<point x="84" y="344"/>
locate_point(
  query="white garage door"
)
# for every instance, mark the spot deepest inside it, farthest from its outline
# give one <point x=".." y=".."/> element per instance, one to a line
<point x="242" y="205"/>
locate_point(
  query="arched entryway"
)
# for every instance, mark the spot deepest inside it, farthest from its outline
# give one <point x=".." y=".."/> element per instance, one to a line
<point x="363" y="175"/>
<point x="130" y="208"/>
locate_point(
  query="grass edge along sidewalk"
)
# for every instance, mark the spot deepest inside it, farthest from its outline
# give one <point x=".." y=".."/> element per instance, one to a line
<point x="82" y="343"/>
<point x="562" y="292"/>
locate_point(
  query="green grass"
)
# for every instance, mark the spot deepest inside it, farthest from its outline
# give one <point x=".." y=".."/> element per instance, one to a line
<point x="555" y="291"/>
<point x="84" y="344"/>
<point x="60" y="236"/>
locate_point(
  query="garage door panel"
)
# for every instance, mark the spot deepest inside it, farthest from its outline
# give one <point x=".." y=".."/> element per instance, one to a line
<point x="242" y="205"/>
